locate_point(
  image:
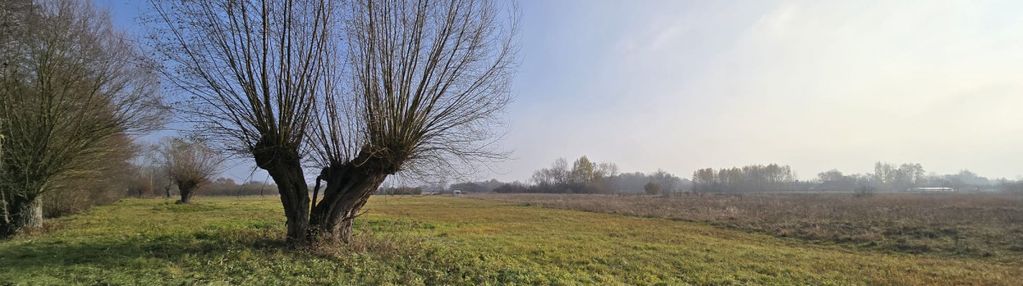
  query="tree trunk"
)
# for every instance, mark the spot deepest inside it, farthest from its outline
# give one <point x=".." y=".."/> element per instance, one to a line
<point x="295" y="200"/>
<point x="187" y="188"/>
<point x="186" y="194"/>
<point x="285" y="167"/>
<point x="348" y="189"/>
<point x="23" y="214"/>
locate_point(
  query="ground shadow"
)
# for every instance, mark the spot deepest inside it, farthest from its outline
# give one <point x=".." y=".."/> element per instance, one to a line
<point x="113" y="252"/>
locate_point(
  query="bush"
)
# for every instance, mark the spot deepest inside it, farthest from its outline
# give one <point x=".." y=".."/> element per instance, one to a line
<point x="512" y="188"/>
<point x="400" y="191"/>
<point x="652" y="188"/>
<point x="864" y="191"/>
<point x="227" y="187"/>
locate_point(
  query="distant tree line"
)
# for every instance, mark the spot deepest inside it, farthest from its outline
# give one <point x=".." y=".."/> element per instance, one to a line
<point x="583" y="176"/>
<point x="588" y="177"/>
<point x="404" y="190"/>
<point x="478" y="187"/>
<point x="228" y="187"/>
<point x="1011" y="186"/>
<point x="753" y="178"/>
<point x="887" y="177"/>
<point x="906" y="177"/>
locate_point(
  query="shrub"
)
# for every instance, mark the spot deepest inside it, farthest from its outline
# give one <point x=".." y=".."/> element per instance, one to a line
<point x="400" y="191"/>
<point x="864" y="191"/>
<point x="652" y="188"/>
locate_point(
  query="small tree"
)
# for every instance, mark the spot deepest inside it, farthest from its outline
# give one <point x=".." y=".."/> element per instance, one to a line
<point x="652" y="188"/>
<point x="190" y="164"/>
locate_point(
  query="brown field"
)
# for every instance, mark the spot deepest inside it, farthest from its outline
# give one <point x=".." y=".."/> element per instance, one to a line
<point x="986" y="226"/>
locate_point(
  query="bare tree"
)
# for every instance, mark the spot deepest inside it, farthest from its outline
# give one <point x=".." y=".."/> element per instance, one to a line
<point x="426" y="82"/>
<point x="190" y="164"/>
<point x="255" y="70"/>
<point x="70" y="85"/>
<point x="150" y="176"/>
<point x="361" y="92"/>
<point x="105" y="181"/>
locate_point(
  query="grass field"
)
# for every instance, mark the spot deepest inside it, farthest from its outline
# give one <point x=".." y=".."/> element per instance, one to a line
<point x="957" y="224"/>
<point x="444" y="240"/>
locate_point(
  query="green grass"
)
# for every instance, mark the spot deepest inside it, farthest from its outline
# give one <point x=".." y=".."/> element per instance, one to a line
<point x="443" y="240"/>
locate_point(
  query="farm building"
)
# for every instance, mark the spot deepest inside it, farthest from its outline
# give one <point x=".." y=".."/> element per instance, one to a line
<point x="933" y="189"/>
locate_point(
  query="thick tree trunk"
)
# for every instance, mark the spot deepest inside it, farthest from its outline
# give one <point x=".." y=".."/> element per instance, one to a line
<point x="186" y="189"/>
<point x="22" y="215"/>
<point x="295" y="200"/>
<point x="285" y="167"/>
<point x="186" y="194"/>
<point x="347" y="190"/>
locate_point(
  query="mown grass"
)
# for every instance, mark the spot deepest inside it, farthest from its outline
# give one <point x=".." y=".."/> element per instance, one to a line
<point x="443" y="240"/>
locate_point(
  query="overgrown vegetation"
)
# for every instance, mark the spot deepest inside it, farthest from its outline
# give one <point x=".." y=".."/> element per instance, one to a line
<point x="958" y="225"/>
<point x="445" y="241"/>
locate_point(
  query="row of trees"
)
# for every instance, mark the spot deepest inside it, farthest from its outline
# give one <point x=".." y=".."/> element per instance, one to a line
<point x="359" y="90"/>
<point x="886" y="177"/>
<point x="586" y="176"/>
<point x="903" y="177"/>
<point x="228" y="187"/>
<point x="72" y="91"/>
<point x="583" y="177"/>
<point x="477" y="187"/>
<point x="559" y="178"/>
<point x="753" y="178"/>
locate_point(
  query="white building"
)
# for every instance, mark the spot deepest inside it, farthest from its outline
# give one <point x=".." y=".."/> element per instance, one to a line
<point x="933" y="189"/>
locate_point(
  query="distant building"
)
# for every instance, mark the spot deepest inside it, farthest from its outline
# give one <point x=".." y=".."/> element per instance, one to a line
<point x="933" y="189"/>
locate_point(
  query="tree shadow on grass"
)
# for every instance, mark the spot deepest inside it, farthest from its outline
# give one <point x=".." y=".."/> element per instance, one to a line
<point x="114" y="253"/>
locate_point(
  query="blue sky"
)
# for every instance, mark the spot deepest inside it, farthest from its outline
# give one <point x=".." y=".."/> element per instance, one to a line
<point x="681" y="85"/>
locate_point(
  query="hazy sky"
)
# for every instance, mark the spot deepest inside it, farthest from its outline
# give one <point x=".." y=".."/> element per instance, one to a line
<point x="681" y="85"/>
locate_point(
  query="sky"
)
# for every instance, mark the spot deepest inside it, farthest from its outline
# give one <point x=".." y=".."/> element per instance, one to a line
<point x="817" y="85"/>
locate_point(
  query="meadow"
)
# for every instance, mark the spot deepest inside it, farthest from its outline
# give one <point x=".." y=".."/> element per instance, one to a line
<point x="434" y="240"/>
<point x="973" y="225"/>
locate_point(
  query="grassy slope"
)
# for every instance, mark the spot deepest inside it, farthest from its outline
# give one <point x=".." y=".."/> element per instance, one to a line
<point x="439" y="240"/>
